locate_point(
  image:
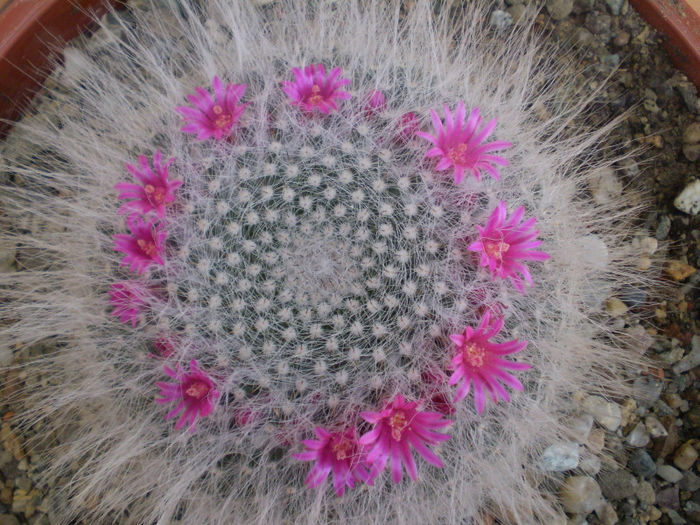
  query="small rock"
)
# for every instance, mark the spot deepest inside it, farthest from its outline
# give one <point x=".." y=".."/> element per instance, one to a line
<point x="596" y="440"/>
<point x="654" y="514"/>
<point x="639" y="437"/>
<point x="669" y="473"/>
<point x="675" y="518"/>
<point x="664" y="227"/>
<point x="627" y="410"/>
<point x="640" y="338"/>
<point x="642" y="464"/>
<point x="691" y="360"/>
<point x="580" y="427"/>
<point x="668" y="498"/>
<point x="560" y="457"/>
<point x="580" y="495"/>
<point x="615" y="6"/>
<point x="559" y="9"/>
<point x="606" y="413"/>
<point x="644" y="263"/>
<point x="516" y="12"/>
<point x="605" y="186"/>
<point x="645" y="493"/>
<point x="582" y="37"/>
<point x="655" y="427"/>
<point x="598" y="23"/>
<point x="607" y="515"/>
<point x="685" y="456"/>
<point x="691" y="152"/>
<point x="621" y="39"/>
<point x="647" y="390"/>
<point x="691" y="134"/>
<point x="501" y="20"/>
<point x="615" y="307"/>
<point x="688" y="200"/>
<point x="618" y="484"/>
<point x="8" y="519"/>
<point x="590" y="465"/>
<point x="648" y="245"/>
<point x="690" y="481"/>
<point x="678" y="270"/>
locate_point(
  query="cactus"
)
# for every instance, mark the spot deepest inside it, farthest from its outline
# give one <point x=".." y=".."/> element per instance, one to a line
<point x="307" y="264"/>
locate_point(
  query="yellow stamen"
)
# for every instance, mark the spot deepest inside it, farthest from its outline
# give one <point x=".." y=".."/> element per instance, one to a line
<point x="398" y="423"/>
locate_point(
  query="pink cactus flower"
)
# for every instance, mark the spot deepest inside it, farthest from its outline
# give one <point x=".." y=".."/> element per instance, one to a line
<point x="144" y="246"/>
<point x="213" y="117"/>
<point x="407" y="128"/>
<point x="312" y="90"/>
<point x="433" y="386"/>
<point x="478" y="361"/>
<point x="460" y="146"/>
<point x="156" y="191"/>
<point x="504" y="244"/>
<point x="397" y="428"/>
<point x="194" y="391"/>
<point x="165" y="346"/>
<point x="376" y="103"/>
<point x="337" y="452"/>
<point x="129" y="299"/>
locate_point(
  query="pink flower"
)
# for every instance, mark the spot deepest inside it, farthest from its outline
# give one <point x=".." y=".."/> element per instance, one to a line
<point x="157" y="191"/>
<point x="165" y="346"/>
<point x="144" y="246"/>
<point x="459" y="145"/>
<point x="407" y="127"/>
<point x="129" y="299"/>
<point x="478" y="361"/>
<point x="376" y="103"/>
<point x="213" y="117"/>
<point x="195" y="392"/>
<point x="398" y="427"/>
<point x="337" y="452"/>
<point x="312" y="90"/>
<point x="503" y="245"/>
<point x="433" y="382"/>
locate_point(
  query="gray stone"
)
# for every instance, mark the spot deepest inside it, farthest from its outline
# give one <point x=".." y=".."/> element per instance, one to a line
<point x="688" y="200"/>
<point x="598" y="23"/>
<point x="691" y="134"/>
<point x="618" y="484"/>
<point x="691" y="152"/>
<point x="590" y="465"/>
<point x="642" y="464"/>
<point x="582" y="37"/>
<point x="560" y="457"/>
<point x="690" y="481"/>
<point x="676" y="519"/>
<point x="606" y="513"/>
<point x="580" y="495"/>
<point x="664" y="227"/>
<point x="670" y="474"/>
<point x="615" y="6"/>
<point x="645" y="493"/>
<point x="646" y="390"/>
<point x="581" y="427"/>
<point x="501" y="20"/>
<point x="559" y="9"/>
<point x="668" y="498"/>
<point x="606" y="413"/>
<point x="655" y="427"/>
<point x="691" y="360"/>
<point x="639" y="437"/>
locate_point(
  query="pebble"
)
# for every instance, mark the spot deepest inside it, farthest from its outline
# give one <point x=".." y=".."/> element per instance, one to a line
<point x="691" y="151"/>
<point x="688" y="200"/>
<point x="615" y="6"/>
<point x="580" y="495"/>
<point x="606" y="413"/>
<point x="516" y="12"/>
<point x="691" y="134"/>
<point x="598" y="23"/>
<point x="685" y="456"/>
<point x="675" y="518"/>
<point x="615" y="307"/>
<point x="560" y="457"/>
<point x="501" y="20"/>
<point x="668" y="498"/>
<point x="690" y="481"/>
<point x="559" y="9"/>
<point x="641" y="339"/>
<point x="606" y="514"/>
<point x="642" y="464"/>
<point x="647" y="390"/>
<point x="8" y="519"/>
<point x="646" y="493"/>
<point x="596" y="440"/>
<point x="639" y="437"/>
<point x="582" y="37"/>
<point x="678" y="270"/>
<point x="580" y="427"/>
<point x="669" y="473"/>
<point x="591" y="465"/>
<point x="664" y="227"/>
<point x="618" y="484"/>
<point x="691" y="360"/>
<point x="655" y="427"/>
<point x="605" y="186"/>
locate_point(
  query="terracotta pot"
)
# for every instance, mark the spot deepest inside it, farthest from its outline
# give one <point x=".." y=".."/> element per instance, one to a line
<point x="30" y="32"/>
<point x="679" y="20"/>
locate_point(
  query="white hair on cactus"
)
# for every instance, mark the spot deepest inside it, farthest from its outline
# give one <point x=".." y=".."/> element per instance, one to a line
<point x="320" y="266"/>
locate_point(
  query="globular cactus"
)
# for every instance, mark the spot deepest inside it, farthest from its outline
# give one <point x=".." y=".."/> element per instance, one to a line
<point x="314" y="257"/>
